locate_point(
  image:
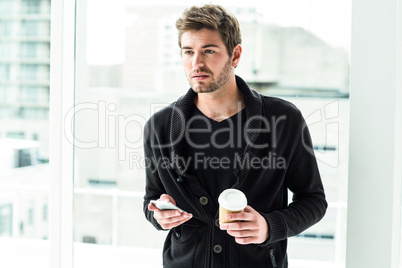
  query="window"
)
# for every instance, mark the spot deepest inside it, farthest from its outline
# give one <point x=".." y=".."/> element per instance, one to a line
<point x="6" y="112"/>
<point x="6" y="214"/>
<point x="31" y="216"/>
<point x="107" y="172"/>
<point x="5" y="71"/>
<point x="7" y="7"/>
<point x="29" y="50"/>
<point x="30" y="71"/>
<point x="33" y="113"/>
<point x="31" y="6"/>
<point x="45" y="211"/>
<point x="6" y="50"/>
<point x="15" y="135"/>
<point x="297" y="56"/>
<point x="6" y="28"/>
<point x="30" y="28"/>
<point x="24" y="171"/>
<point x="3" y="93"/>
<point x="33" y="94"/>
<point x="34" y="50"/>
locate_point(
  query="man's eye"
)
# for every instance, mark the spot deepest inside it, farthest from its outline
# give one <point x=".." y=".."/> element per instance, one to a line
<point x="208" y="51"/>
<point x="187" y="52"/>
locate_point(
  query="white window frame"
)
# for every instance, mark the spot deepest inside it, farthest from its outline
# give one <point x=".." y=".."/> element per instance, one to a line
<point x="61" y="151"/>
<point x="374" y="209"/>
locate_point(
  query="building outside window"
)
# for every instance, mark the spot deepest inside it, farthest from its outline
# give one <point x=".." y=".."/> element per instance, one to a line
<point x="24" y="131"/>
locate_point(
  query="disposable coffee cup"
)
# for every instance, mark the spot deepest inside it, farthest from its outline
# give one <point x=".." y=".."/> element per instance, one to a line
<point x="231" y="201"/>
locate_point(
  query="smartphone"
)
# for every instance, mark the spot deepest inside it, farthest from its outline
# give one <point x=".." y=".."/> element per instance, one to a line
<point x="165" y="205"/>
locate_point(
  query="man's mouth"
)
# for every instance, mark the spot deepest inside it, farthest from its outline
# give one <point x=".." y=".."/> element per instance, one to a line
<point x="200" y="76"/>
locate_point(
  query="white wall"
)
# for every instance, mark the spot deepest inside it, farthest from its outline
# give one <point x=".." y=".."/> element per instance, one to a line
<point x="374" y="199"/>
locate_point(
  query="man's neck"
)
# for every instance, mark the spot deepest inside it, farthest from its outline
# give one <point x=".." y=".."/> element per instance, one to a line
<point x="222" y="103"/>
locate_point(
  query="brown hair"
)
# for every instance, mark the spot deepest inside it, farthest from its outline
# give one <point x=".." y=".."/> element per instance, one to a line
<point x="212" y="17"/>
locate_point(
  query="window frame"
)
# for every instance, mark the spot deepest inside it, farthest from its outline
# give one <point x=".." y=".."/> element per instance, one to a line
<point x="61" y="151"/>
<point x="388" y="14"/>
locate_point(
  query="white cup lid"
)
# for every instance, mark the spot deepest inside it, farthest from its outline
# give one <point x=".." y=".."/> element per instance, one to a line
<point x="232" y="199"/>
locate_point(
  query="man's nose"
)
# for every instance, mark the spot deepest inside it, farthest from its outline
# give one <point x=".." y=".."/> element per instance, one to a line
<point x="198" y="60"/>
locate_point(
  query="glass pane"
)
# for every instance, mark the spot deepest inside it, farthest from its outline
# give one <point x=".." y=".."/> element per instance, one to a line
<point x="24" y="143"/>
<point x="6" y="50"/>
<point x="7" y="7"/>
<point x="129" y="66"/>
<point x="29" y="50"/>
<point x="31" y="6"/>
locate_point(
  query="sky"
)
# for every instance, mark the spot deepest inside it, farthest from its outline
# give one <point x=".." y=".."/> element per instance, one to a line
<point x="328" y="19"/>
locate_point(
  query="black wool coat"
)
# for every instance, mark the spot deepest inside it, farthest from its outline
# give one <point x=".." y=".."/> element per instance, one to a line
<point x="279" y="156"/>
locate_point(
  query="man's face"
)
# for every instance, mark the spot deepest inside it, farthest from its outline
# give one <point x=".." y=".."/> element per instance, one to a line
<point x="205" y="59"/>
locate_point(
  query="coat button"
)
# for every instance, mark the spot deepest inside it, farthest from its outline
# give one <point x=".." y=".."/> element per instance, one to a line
<point x="177" y="235"/>
<point x="217" y="223"/>
<point x="217" y="249"/>
<point x="179" y="179"/>
<point x="204" y="200"/>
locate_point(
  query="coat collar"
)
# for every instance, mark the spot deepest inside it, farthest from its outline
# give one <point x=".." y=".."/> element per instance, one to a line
<point x="182" y="111"/>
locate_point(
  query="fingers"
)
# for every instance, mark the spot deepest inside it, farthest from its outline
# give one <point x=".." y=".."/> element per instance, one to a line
<point x="250" y="228"/>
<point x="168" y="215"/>
<point x="243" y="232"/>
<point x="173" y="222"/>
<point x="169" y="219"/>
<point x="239" y="226"/>
<point x="247" y="215"/>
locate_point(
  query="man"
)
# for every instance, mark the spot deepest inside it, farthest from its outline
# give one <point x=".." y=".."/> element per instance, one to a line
<point x="220" y="135"/>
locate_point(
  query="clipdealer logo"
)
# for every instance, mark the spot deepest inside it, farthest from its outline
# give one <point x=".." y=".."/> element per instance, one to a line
<point x="201" y="161"/>
<point x="125" y="132"/>
<point x="325" y="121"/>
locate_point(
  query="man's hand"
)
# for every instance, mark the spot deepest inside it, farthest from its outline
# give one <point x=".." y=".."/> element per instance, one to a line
<point x="253" y="228"/>
<point x="169" y="219"/>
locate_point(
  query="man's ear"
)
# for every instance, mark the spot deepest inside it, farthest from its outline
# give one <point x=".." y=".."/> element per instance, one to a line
<point x="236" y="55"/>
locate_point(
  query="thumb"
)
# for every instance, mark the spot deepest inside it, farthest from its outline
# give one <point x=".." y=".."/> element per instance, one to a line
<point x="249" y="209"/>
<point x="167" y="198"/>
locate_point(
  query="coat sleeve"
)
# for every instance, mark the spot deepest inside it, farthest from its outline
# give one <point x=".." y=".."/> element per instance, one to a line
<point x="153" y="185"/>
<point x="303" y="179"/>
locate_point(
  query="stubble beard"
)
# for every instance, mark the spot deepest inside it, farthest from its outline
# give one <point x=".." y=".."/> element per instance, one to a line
<point x="222" y="79"/>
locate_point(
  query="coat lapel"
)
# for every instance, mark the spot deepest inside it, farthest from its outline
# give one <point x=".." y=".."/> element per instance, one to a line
<point x="181" y="113"/>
